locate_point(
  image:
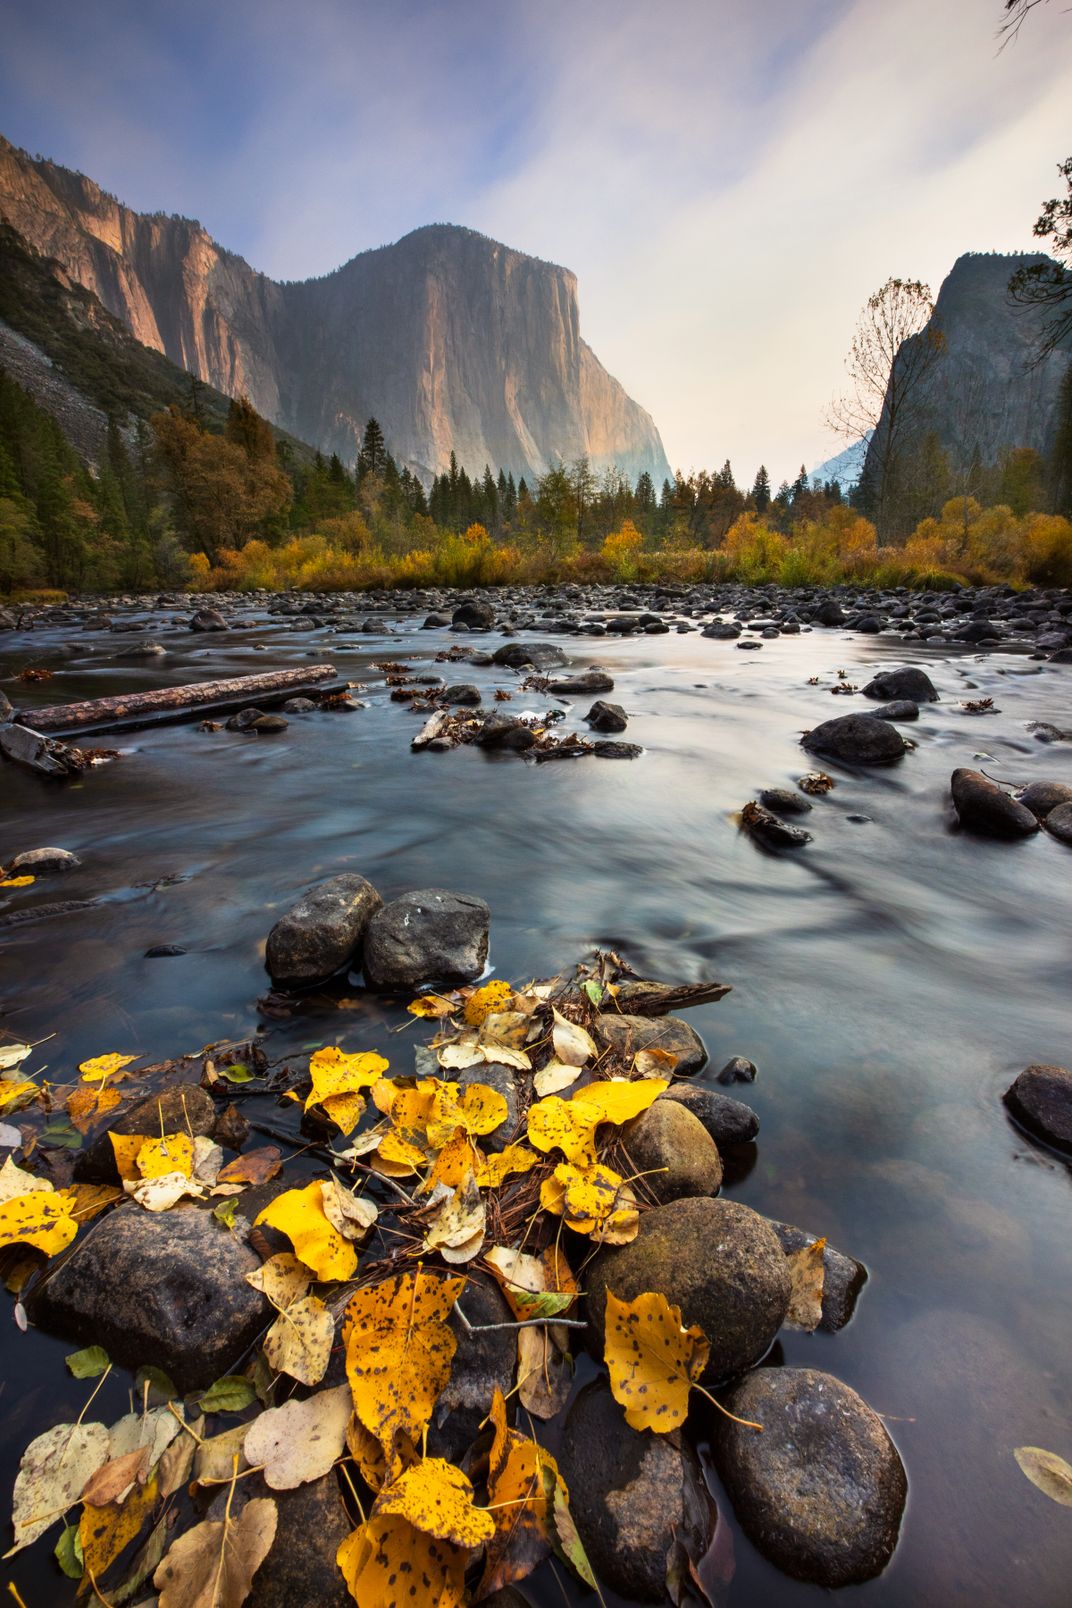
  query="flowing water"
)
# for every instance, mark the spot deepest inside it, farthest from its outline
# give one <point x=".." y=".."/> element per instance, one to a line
<point x="889" y="981"/>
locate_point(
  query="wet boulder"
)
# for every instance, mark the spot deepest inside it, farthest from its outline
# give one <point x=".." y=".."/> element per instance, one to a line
<point x="322" y="933"/>
<point x="721" y="631"/>
<point x="984" y="807"/>
<point x="160" y="1288"/>
<point x="843" y="1276"/>
<point x="1059" y="823"/>
<point x="518" y="655"/>
<point x="631" y="1495"/>
<point x="627" y="1034"/>
<point x="269" y="725"/>
<point x="856" y="740"/>
<point x="501" y="730"/>
<point x="483" y="1363"/>
<point x="899" y="709"/>
<point x="605" y="716"/>
<point x="1040" y="1100"/>
<point x="910" y="682"/>
<point x="300" y="1570"/>
<point x="738" y="1070"/>
<point x="674" y="1151"/>
<point x="474" y="613"/>
<point x="1043" y="797"/>
<point x="609" y="749"/>
<point x="180" y="1108"/>
<point x="770" y="830"/>
<point x="783" y="801"/>
<point x="728" y="1121"/>
<point x="585" y="681"/>
<point x="821" y="1492"/>
<point x="208" y="620"/>
<point x="40" y="861"/>
<point x="720" y="1262"/>
<point x="429" y="936"/>
<point x="829" y="612"/>
<point x="465" y="693"/>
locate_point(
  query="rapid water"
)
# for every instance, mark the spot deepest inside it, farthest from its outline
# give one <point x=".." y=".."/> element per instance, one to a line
<point x="889" y="981"/>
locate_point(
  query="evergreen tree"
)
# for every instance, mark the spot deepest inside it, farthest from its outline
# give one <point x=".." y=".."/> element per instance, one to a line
<point x="372" y="459"/>
<point x="761" y="492"/>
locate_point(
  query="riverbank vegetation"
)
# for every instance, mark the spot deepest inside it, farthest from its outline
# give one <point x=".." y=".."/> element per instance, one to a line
<point x="186" y="503"/>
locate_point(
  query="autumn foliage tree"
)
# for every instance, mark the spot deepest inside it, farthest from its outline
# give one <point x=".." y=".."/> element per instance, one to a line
<point x="222" y="490"/>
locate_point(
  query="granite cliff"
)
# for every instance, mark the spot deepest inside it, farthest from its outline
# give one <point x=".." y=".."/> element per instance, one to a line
<point x="453" y="341"/>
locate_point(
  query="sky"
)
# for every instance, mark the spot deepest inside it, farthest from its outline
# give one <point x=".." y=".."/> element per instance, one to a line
<point x="729" y="179"/>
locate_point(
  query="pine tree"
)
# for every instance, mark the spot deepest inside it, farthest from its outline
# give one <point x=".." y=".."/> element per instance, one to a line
<point x="372" y="459"/>
<point x="761" y="492"/>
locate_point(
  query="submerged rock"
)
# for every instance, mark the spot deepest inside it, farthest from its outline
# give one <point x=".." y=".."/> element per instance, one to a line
<point x="631" y="1495"/>
<point x="1040" y="1099"/>
<point x="982" y="806"/>
<point x="322" y="933"/>
<point x="909" y="682"/>
<point x="720" y="1262"/>
<point x="899" y="709"/>
<point x="1043" y="797"/>
<point x="540" y="655"/>
<point x="586" y="681"/>
<point x="1059" y="823"/>
<point x="628" y="1034"/>
<point x="822" y="1490"/>
<point x="855" y="739"/>
<point x="738" y="1070"/>
<point x="160" y="1288"/>
<point x="430" y="936"/>
<point x="675" y="1152"/>
<point x="608" y="749"/>
<point x="767" y="828"/>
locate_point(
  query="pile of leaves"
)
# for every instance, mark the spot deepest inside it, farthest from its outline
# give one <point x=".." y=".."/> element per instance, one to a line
<point x="374" y="1255"/>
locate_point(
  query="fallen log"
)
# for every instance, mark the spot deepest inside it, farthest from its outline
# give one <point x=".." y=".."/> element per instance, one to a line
<point x="131" y="709"/>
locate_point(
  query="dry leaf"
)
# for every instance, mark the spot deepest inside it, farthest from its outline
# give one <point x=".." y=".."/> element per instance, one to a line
<point x="212" y="1565"/>
<point x="544" y="1372"/>
<point x="806" y="1297"/>
<point x="254" y="1167"/>
<point x="432" y="1006"/>
<point x="214" y="1461"/>
<point x="85" y="1106"/>
<point x="338" y="1082"/>
<point x="520" y="1473"/>
<point x="653" y="1361"/>
<point x="352" y="1216"/>
<point x="52" y="1475"/>
<point x="654" y="1063"/>
<point x="573" y="1045"/>
<point x="160" y="1193"/>
<point x="176" y="1465"/>
<point x="496" y="1168"/>
<point x="299" y="1441"/>
<point x="457" y="1229"/>
<point x="103" y="1066"/>
<point x="114" y="1479"/>
<point x="91" y="1199"/>
<point x="300" y="1340"/>
<point x="553" y="1077"/>
<point x="282" y="1279"/>
<point x="399" y="1350"/>
<point x="437" y="1499"/>
<point x="376" y="1555"/>
<point x="299" y="1214"/>
<point x="15" y="1181"/>
<point x="1050" y="1473"/>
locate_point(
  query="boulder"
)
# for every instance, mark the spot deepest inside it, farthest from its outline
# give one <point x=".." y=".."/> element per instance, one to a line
<point x="770" y="830"/>
<point x="675" y="1152"/>
<point x="464" y="693"/>
<point x="1059" y="823"/>
<point x="738" y="1070"/>
<point x="300" y="1570"/>
<point x="899" y="709"/>
<point x="608" y="749"/>
<point x="322" y="932"/>
<point x="721" y="631"/>
<point x="729" y="1122"/>
<point x="631" y="1495"/>
<point x="822" y="1490"/>
<point x="1043" y="797"/>
<point x="482" y="1363"/>
<point x="501" y="730"/>
<point x="843" y="1276"/>
<point x="720" y="1262"/>
<point x="430" y="936"/>
<point x="606" y="716"/>
<point x="586" y="681"/>
<point x="984" y="807"/>
<point x="436" y="622"/>
<point x="243" y="719"/>
<point x="909" y="683"/>
<point x="160" y="1288"/>
<point x="829" y="613"/>
<point x="1040" y="1100"/>
<point x="299" y="706"/>
<point x="783" y="801"/>
<point x="39" y="861"/>
<point x="208" y="620"/>
<point x="856" y="740"/>
<point x="180" y="1108"/>
<point x="627" y="1034"/>
<point x="540" y="655"/>
<point x="269" y="725"/>
<point x="475" y="613"/>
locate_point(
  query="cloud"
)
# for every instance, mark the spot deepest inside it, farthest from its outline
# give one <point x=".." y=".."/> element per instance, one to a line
<point x="729" y="182"/>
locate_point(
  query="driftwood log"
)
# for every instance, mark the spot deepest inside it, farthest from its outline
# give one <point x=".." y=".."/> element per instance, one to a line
<point x="176" y="703"/>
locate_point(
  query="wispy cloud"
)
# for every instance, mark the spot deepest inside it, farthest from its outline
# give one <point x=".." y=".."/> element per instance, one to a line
<point x="729" y="182"/>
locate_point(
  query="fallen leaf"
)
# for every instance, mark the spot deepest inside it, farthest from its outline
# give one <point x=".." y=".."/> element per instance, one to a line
<point x="494" y="996"/>
<point x="16" y="1093"/>
<point x="14" y="1055"/>
<point x="282" y="1279"/>
<point x="520" y="1474"/>
<point x="653" y="1361"/>
<point x="213" y="1565"/>
<point x="544" y="1371"/>
<point x="85" y="1106"/>
<point x="349" y="1213"/>
<point x="52" y="1473"/>
<point x="478" y="1109"/>
<point x="553" y="1077"/>
<point x="436" y="1498"/>
<point x="494" y="1169"/>
<point x="654" y="1063"/>
<point x="176" y="1465"/>
<point x="457" y="1158"/>
<point x="378" y="1554"/>
<point x="103" y="1066"/>
<point x="208" y="1159"/>
<point x="529" y="1283"/>
<point x="214" y="1460"/>
<point x="114" y="1479"/>
<point x="338" y="1079"/>
<point x="432" y="1006"/>
<point x="457" y="1229"/>
<point x="399" y="1350"/>
<point x="41" y="1219"/>
<point x="88" y="1364"/>
<point x="555" y="1124"/>
<point x="396" y="1157"/>
<point x="573" y="1045"/>
<point x="105" y="1531"/>
<point x="618" y="1100"/>
<point x="1050" y="1473"/>
<point x="300" y="1340"/>
<point x="160" y="1193"/>
<point x="68" y="1553"/>
<point x="806" y="1295"/>
<point x="461" y="1053"/>
<point x="254" y="1167"/>
<point x="154" y="1431"/>
<point x="299" y="1214"/>
<point x="173" y="1153"/>
<point x="125" y="1148"/>
<point x="17" y="882"/>
<point x="299" y="1441"/>
<point x="15" y="1181"/>
<point x="231" y="1394"/>
<point x="92" y="1199"/>
<point x="593" y="1200"/>
<point x="570" y="1546"/>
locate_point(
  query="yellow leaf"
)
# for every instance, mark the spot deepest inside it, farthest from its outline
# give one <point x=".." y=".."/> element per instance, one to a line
<point x="619" y="1101"/>
<point x="125" y="1147"/>
<point x="437" y="1498"/>
<point x="432" y="1006"/>
<point x="87" y="1106"/>
<point x="409" y="1106"/>
<point x="521" y="1476"/>
<point x="173" y="1153"/>
<point x="282" y="1279"/>
<point x="16" y="1093"/>
<point x="379" y="1556"/>
<point x="399" y="1350"/>
<point x="300" y="1340"/>
<point x="593" y="1200"/>
<point x="494" y="996"/>
<point x="478" y="1109"/>
<point x="653" y="1360"/>
<point x="92" y="1199"/>
<point x="509" y="1029"/>
<point x="457" y="1158"/>
<point x="105" y="1531"/>
<point x="338" y="1079"/>
<point x="457" y="1229"/>
<point x="103" y="1066"/>
<point x="564" y="1125"/>
<point x="806" y="1274"/>
<point x="17" y="882"/>
<point x="1050" y="1473"/>
<point x="395" y="1157"/>
<point x="496" y="1168"/>
<point x="41" y="1219"/>
<point x="299" y="1214"/>
<point x="654" y="1063"/>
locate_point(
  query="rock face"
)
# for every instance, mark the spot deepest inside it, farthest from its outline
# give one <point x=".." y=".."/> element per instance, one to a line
<point x="1041" y="1101"/>
<point x="629" y="1495"/>
<point x="856" y="740"/>
<point x="720" y="1262"/>
<point x="984" y="807"/>
<point x="822" y="1490"/>
<point x="431" y="936"/>
<point x="450" y="339"/>
<point x="675" y="1151"/>
<point x="983" y="395"/>
<point x="627" y="1034"/>
<point x="322" y="932"/>
<point x="165" y="1288"/>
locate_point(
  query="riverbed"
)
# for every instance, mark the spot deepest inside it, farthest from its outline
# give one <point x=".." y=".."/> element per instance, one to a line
<point x="889" y="981"/>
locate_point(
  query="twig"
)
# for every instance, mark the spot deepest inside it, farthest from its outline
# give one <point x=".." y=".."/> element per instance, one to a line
<point x="523" y="1323"/>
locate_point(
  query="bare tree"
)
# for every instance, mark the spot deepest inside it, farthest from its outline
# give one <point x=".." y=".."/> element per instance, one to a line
<point x="894" y="349"/>
<point x="1015" y="16"/>
<point x="1049" y="284"/>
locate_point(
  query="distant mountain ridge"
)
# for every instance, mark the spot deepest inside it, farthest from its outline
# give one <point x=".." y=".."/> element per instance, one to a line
<point x="453" y="341"/>
<point x="845" y="467"/>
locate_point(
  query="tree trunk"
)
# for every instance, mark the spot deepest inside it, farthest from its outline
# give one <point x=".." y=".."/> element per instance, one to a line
<point x="175" y="703"/>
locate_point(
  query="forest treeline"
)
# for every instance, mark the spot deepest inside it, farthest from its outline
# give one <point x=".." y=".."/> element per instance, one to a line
<point x="187" y="500"/>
